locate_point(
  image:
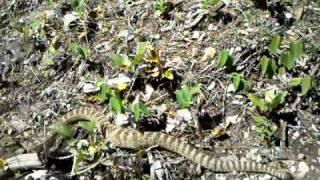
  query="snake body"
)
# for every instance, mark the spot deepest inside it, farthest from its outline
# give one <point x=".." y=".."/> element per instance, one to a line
<point x="130" y="138"/>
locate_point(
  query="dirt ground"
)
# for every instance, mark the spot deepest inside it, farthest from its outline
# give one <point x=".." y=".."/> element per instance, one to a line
<point x="58" y="55"/>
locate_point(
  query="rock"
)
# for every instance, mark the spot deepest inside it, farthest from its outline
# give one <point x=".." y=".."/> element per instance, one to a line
<point x="121" y="119"/>
<point x="301" y="170"/>
<point x="184" y="114"/>
<point x="90" y="88"/>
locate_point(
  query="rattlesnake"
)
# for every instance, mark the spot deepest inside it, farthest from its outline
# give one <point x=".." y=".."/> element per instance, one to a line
<point x="130" y="138"/>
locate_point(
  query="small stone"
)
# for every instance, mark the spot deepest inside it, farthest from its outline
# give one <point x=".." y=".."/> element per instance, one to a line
<point x="211" y="27"/>
<point x="121" y="119"/>
<point x="184" y="114"/>
<point x="196" y="34"/>
<point x="234" y="119"/>
<point x="301" y="170"/>
<point x="301" y="156"/>
<point x="209" y="53"/>
<point x="90" y="88"/>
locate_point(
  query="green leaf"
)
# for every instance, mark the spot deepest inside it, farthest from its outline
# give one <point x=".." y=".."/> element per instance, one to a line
<point x="63" y="129"/>
<point x="306" y="83"/>
<point x="260" y="121"/>
<point x="296" y="49"/>
<point x="84" y="53"/>
<point x="120" y="60"/>
<point x="2" y="164"/>
<point x="77" y="3"/>
<point x="104" y="93"/>
<point x="88" y="125"/>
<point x="295" y="82"/>
<point x="225" y="59"/>
<point x="115" y="104"/>
<point x="264" y="63"/>
<point x="236" y="80"/>
<point x="278" y="99"/>
<point x="184" y="98"/>
<point x="184" y="95"/>
<point x="168" y="74"/>
<point x="282" y="71"/>
<point x="275" y="44"/>
<point x="140" y="52"/>
<point x="287" y="60"/>
<point x="264" y="128"/>
<point x="273" y="67"/>
<point x="257" y="102"/>
<point x="139" y="110"/>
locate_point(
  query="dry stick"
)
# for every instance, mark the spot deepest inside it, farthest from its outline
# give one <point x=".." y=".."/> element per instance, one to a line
<point x="283" y="126"/>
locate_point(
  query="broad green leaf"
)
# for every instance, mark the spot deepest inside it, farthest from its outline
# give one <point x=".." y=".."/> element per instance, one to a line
<point x="260" y="121"/>
<point x="104" y="93"/>
<point x="257" y="102"/>
<point x="306" y="83"/>
<point x="246" y="85"/>
<point x="270" y="95"/>
<point x="275" y="44"/>
<point x="287" y="60"/>
<point x="120" y="60"/>
<point x="273" y="67"/>
<point x="140" y="52"/>
<point x="295" y="81"/>
<point x="168" y="74"/>
<point x="296" y="49"/>
<point x="139" y="110"/>
<point x="264" y="63"/>
<point x="282" y="71"/>
<point x="88" y="125"/>
<point x="184" y="98"/>
<point x="136" y="112"/>
<point x="277" y="99"/>
<point x="63" y="129"/>
<point x="236" y="80"/>
<point x="225" y="59"/>
<point x="115" y="104"/>
<point x="184" y="95"/>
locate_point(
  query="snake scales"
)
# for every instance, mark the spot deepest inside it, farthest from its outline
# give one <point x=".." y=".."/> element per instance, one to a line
<point x="130" y="138"/>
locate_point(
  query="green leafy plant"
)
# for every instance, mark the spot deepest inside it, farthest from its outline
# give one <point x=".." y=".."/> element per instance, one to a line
<point x="139" y="110"/>
<point x="271" y="100"/>
<point x="207" y="3"/>
<point x="306" y="83"/>
<point x="115" y="104"/>
<point x="239" y="83"/>
<point x="142" y="46"/>
<point x="64" y="129"/>
<point x="104" y="93"/>
<point x="88" y="125"/>
<point x="289" y="58"/>
<point x="77" y="3"/>
<point x="264" y="128"/>
<point x="120" y="60"/>
<point x="184" y="95"/>
<point x="161" y="6"/>
<point x="79" y="51"/>
<point x="268" y="66"/>
<point x="225" y="59"/>
<point x="275" y="44"/>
